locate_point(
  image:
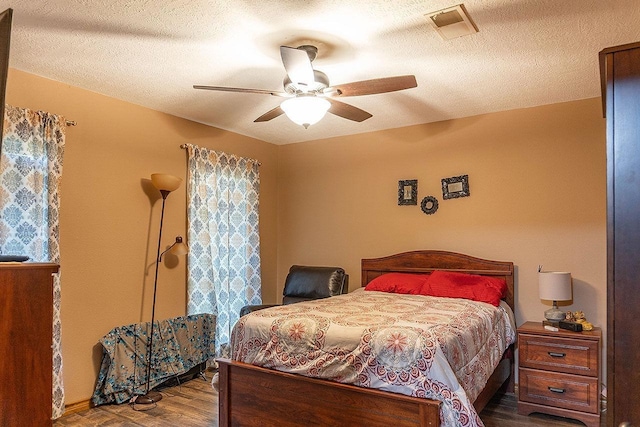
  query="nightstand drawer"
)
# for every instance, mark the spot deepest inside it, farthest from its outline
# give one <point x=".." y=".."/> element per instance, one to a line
<point x="574" y="356"/>
<point x="559" y="390"/>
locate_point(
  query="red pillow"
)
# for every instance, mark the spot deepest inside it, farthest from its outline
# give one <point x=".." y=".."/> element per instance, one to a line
<point x="399" y="283"/>
<point x="461" y="285"/>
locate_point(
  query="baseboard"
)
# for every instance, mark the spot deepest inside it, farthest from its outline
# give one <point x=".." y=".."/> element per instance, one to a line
<point x="72" y="408"/>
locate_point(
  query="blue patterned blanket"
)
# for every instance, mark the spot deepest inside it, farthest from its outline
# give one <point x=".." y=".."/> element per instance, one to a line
<point x="179" y="344"/>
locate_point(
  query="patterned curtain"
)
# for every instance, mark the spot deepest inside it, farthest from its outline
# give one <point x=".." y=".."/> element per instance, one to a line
<point x="224" y="240"/>
<point x="30" y="172"/>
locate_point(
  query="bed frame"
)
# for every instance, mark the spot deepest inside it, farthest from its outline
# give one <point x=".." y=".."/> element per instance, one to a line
<point x="255" y="396"/>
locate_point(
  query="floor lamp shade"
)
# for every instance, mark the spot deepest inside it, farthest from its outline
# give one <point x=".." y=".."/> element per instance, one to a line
<point x="163" y="181"/>
<point x="554" y="286"/>
<point x="178" y="247"/>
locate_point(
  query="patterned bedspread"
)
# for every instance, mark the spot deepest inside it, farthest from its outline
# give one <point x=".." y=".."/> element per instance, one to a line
<point x="438" y="348"/>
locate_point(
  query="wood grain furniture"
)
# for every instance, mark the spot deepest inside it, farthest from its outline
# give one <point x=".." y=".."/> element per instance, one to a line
<point x="248" y="395"/>
<point x="559" y="372"/>
<point x="620" y="72"/>
<point x="26" y="357"/>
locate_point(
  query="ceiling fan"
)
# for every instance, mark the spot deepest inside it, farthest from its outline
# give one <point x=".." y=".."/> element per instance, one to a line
<point x="309" y="94"/>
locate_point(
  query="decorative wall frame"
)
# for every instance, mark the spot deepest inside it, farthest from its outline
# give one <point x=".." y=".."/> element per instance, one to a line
<point x="408" y="192"/>
<point x="429" y="205"/>
<point x="456" y="186"/>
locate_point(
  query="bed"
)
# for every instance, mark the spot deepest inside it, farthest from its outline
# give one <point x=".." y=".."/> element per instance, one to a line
<point x="252" y="395"/>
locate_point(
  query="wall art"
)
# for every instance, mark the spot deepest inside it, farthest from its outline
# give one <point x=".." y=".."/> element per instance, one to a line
<point x="408" y="192"/>
<point x="429" y="205"/>
<point x="454" y="187"/>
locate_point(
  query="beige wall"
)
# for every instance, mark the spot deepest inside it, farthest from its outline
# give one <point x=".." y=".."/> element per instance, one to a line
<point x="110" y="214"/>
<point x="538" y="196"/>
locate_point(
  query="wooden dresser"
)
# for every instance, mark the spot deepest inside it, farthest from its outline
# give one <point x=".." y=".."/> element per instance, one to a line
<point x="559" y="372"/>
<point x="26" y="328"/>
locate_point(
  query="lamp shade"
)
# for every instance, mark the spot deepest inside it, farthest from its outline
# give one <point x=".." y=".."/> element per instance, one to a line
<point x="305" y="110"/>
<point x="554" y="285"/>
<point x="179" y="247"/>
<point x="166" y="182"/>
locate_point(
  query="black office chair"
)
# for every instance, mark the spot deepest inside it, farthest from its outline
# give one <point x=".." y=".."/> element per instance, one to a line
<point x="306" y="283"/>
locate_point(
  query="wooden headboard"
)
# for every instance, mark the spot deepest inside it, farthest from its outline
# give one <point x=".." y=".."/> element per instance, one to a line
<point x="427" y="261"/>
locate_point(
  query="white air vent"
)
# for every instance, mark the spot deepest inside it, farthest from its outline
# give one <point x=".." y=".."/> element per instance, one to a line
<point x="452" y="22"/>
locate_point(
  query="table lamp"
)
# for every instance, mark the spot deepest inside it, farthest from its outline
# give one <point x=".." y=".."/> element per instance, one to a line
<point x="554" y="286"/>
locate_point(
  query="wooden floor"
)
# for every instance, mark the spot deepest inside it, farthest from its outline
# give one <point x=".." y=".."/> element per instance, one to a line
<point x="191" y="404"/>
<point x="195" y="404"/>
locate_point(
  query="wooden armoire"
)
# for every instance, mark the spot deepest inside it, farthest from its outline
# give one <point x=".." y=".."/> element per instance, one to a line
<point x="620" y="72"/>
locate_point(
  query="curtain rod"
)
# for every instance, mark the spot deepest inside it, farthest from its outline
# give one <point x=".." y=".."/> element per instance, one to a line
<point x="184" y="147"/>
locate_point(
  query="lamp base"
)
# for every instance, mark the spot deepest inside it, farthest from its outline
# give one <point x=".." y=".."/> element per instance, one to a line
<point x="150" y="398"/>
<point x="553" y="314"/>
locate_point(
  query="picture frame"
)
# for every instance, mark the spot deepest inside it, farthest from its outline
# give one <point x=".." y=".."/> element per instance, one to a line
<point x="408" y="192"/>
<point x="455" y="187"/>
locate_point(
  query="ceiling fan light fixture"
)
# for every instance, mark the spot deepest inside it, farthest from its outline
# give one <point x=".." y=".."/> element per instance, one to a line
<point x="305" y="110"/>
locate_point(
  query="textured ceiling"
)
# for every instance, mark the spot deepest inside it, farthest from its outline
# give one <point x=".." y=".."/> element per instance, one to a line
<point x="151" y="53"/>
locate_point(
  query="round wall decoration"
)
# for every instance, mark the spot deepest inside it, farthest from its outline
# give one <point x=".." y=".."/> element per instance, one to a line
<point x="429" y="205"/>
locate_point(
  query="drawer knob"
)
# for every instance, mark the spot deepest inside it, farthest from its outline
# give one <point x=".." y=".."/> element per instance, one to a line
<point x="556" y="390"/>
<point x="555" y="354"/>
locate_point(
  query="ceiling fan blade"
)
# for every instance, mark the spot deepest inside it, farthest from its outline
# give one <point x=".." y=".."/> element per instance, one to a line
<point x="242" y="90"/>
<point x="371" y="87"/>
<point x="347" y="111"/>
<point x="298" y="66"/>
<point x="271" y="114"/>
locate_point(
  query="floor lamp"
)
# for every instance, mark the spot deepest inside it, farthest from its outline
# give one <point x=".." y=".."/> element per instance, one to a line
<point x="165" y="184"/>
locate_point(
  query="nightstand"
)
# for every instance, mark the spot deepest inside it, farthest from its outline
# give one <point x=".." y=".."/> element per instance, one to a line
<point x="559" y="372"/>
